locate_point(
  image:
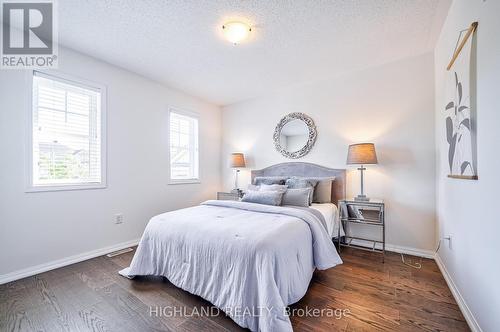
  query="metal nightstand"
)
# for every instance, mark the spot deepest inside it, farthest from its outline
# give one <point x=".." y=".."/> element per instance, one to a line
<point x="223" y="196"/>
<point x="370" y="213"/>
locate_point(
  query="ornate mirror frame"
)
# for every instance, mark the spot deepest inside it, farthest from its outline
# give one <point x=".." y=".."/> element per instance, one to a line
<point x="310" y="142"/>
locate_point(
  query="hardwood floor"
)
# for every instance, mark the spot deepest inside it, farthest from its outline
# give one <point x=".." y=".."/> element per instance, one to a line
<point x="91" y="296"/>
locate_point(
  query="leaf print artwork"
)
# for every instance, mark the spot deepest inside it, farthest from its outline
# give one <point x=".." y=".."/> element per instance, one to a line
<point x="460" y="119"/>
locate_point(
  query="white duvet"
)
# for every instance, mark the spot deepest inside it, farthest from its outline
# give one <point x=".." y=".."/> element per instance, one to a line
<point x="332" y="218"/>
<point x="250" y="260"/>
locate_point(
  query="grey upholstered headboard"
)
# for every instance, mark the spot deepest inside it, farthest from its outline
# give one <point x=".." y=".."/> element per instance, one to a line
<point x="308" y="169"/>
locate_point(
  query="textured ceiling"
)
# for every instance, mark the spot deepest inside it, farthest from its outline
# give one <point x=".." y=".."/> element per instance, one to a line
<point x="179" y="42"/>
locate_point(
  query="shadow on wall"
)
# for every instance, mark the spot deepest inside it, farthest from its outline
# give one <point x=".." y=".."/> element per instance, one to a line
<point x="250" y="161"/>
<point x="416" y="220"/>
<point x="395" y="156"/>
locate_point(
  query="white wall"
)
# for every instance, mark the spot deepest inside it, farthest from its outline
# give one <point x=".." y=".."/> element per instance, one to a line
<point x="37" y="228"/>
<point x="467" y="210"/>
<point x="391" y="105"/>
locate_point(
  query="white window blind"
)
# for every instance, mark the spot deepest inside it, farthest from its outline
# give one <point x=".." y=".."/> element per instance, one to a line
<point x="66" y="133"/>
<point x="183" y="147"/>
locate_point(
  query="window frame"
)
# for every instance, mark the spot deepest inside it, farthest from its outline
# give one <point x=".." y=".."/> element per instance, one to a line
<point x="183" y="181"/>
<point x="79" y="82"/>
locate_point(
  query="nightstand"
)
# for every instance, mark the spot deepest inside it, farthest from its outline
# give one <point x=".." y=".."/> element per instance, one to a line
<point x="370" y="213"/>
<point x="223" y="196"/>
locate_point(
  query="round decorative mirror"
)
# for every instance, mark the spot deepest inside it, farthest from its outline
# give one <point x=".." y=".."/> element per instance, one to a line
<point x="295" y="135"/>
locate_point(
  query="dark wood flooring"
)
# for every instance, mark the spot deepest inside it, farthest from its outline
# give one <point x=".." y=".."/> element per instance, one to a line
<point x="91" y="296"/>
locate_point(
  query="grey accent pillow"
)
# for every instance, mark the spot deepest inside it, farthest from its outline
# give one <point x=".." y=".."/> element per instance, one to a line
<point x="263" y="197"/>
<point x="273" y="187"/>
<point x="297" y="197"/>
<point x="297" y="182"/>
<point x="269" y="180"/>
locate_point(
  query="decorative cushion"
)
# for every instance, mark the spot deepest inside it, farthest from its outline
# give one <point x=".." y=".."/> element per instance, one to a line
<point x="273" y="187"/>
<point x="253" y="187"/>
<point x="269" y="180"/>
<point x="263" y="197"/>
<point x="297" y="197"/>
<point x="297" y="182"/>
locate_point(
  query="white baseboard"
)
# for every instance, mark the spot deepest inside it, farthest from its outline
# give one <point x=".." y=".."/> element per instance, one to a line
<point x="410" y="251"/>
<point x="399" y="249"/>
<point x="469" y="317"/>
<point x="30" y="271"/>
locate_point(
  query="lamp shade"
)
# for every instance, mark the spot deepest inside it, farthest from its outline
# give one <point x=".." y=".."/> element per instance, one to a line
<point x="361" y="154"/>
<point x="237" y="160"/>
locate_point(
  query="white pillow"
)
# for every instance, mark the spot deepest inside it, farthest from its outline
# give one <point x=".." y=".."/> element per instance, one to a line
<point x="263" y="197"/>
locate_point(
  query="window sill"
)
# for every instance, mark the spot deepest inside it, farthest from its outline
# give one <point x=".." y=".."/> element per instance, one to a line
<point x="35" y="189"/>
<point x="188" y="181"/>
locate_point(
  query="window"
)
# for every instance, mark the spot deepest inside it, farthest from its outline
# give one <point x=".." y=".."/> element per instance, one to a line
<point x="183" y="147"/>
<point x="67" y="135"/>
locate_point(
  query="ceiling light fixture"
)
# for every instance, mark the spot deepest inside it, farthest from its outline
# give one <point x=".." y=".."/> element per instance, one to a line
<point x="235" y="31"/>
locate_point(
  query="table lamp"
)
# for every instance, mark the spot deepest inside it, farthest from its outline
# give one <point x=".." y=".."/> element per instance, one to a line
<point x="237" y="161"/>
<point x="361" y="154"/>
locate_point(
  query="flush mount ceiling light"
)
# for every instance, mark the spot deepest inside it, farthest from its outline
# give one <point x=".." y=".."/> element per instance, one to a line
<point x="236" y="32"/>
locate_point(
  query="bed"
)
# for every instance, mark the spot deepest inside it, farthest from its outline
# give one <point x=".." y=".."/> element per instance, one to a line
<point x="250" y="260"/>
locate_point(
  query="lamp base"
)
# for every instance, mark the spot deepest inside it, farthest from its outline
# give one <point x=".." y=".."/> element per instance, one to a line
<point x="362" y="198"/>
